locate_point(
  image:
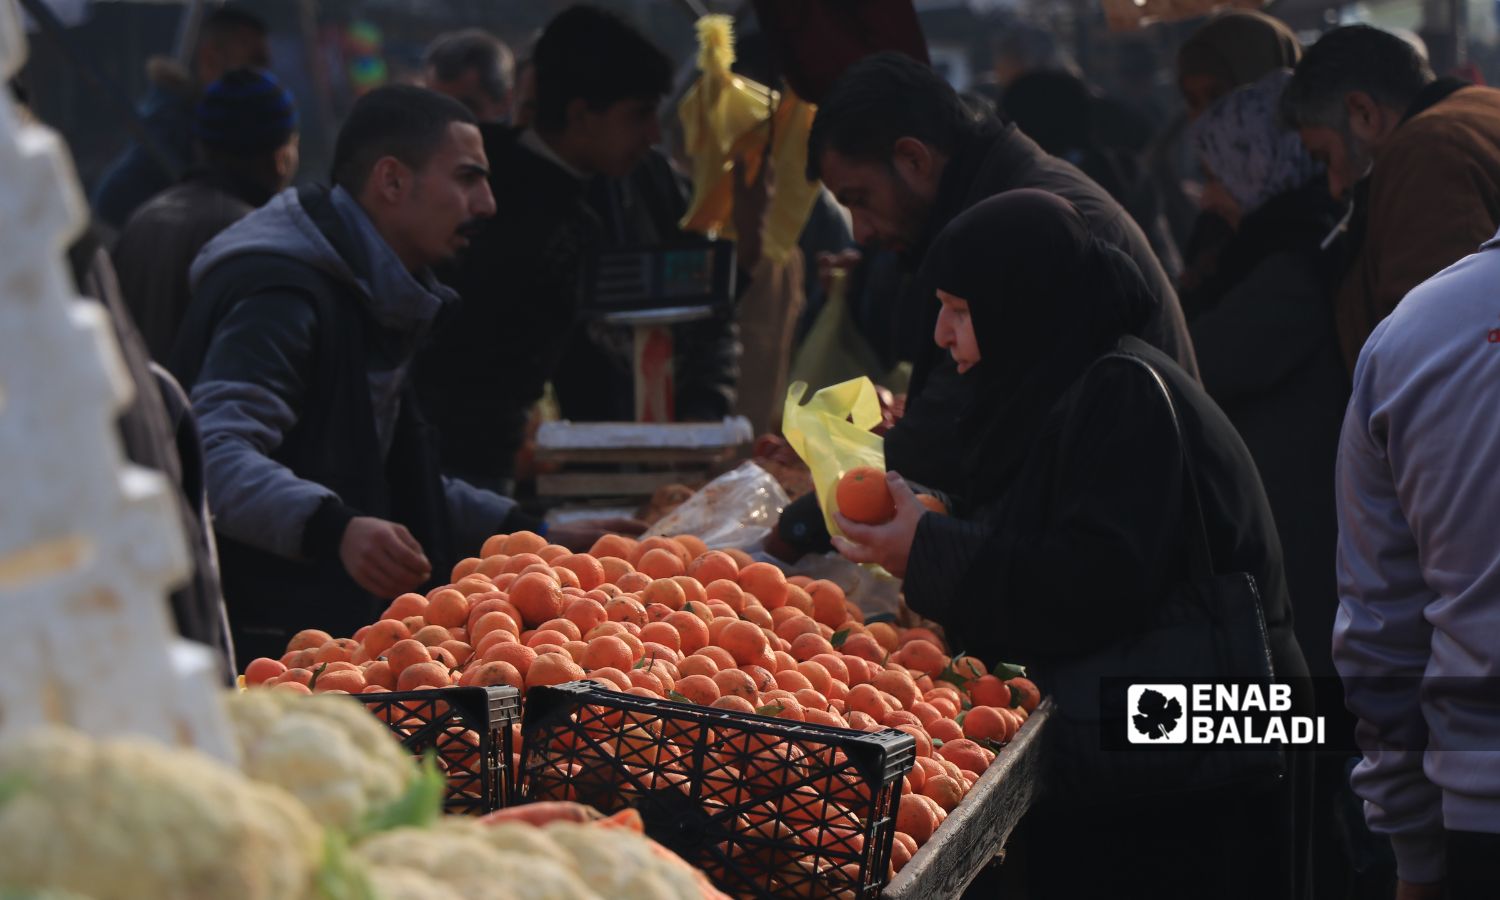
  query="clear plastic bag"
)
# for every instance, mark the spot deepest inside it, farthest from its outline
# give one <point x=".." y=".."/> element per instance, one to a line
<point x="870" y="588"/>
<point x="738" y="509"/>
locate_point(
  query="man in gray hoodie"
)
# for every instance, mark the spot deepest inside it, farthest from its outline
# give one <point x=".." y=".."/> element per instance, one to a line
<point x="1417" y="636"/>
<point x="323" y="480"/>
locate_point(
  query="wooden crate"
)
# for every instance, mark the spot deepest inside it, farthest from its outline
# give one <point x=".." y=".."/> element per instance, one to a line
<point x="978" y="827"/>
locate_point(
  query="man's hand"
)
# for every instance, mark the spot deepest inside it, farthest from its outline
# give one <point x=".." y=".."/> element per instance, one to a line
<point x="1405" y="890"/>
<point x="579" y="536"/>
<point x="382" y="557"/>
<point x="886" y="545"/>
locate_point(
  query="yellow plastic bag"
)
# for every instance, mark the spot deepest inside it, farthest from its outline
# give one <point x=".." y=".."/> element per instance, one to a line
<point x="831" y="433"/>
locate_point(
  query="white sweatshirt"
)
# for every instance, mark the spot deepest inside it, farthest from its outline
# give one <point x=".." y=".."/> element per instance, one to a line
<point x="1418" y="625"/>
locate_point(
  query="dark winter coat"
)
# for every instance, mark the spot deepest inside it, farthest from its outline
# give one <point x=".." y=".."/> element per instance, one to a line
<point x="159" y="242"/>
<point x="1269" y="357"/>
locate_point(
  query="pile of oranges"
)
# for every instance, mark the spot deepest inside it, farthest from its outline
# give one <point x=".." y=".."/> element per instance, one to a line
<point x="669" y="618"/>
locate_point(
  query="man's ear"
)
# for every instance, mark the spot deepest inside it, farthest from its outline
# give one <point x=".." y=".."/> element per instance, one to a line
<point x="389" y="180"/>
<point x="914" y="159"/>
<point x="1365" y="115"/>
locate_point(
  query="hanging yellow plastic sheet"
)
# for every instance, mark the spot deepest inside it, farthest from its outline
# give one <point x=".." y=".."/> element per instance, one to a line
<point x="727" y="118"/>
<point x="831" y="433"/>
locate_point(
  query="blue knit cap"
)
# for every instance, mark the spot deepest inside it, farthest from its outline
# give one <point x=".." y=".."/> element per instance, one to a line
<point x="245" y="112"/>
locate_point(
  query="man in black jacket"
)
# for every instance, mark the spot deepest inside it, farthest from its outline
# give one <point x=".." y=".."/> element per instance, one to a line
<point x="326" y="492"/>
<point x="899" y="148"/>
<point x="246" y="128"/>
<point x="583" y="178"/>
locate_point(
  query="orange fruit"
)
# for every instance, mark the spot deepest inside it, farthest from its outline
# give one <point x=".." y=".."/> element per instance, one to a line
<point x="520" y="562"/>
<point x="523" y="542"/>
<point x="945" y="729"/>
<point x="828" y="603"/>
<point x="577" y="649"/>
<point x="552" y="668"/>
<point x="692" y="544"/>
<point x="405" y="653"/>
<point x="341" y="680"/>
<point x="634" y="582"/>
<point x="697" y="664"/>
<point x="493" y="673"/>
<point x="745" y="642"/>
<point x="423" y="674"/>
<point x="862" y="721"/>
<point x="666" y="592"/>
<point x="923" y="656"/>
<point x="944" y="791"/>
<point x="538" y="598"/>
<point x="734" y="703"/>
<point x="518" y="655"/>
<point x="791" y="680"/>
<point x="541" y="638"/>
<point x="660" y="563"/>
<point x="866" y="699"/>
<point x="611" y="677"/>
<point x="917" y="732"/>
<point x="308" y="639"/>
<point x="262" y="670"/>
<point x="661" y="633"/>
<point x="920" y="634"/>
<point x="337" y="650"/>
<point x="918" y="817"/>
<point x="383" y="635"/>
<point x="589" y="570"/>
<point x="562" y="626"/>
<point x="1030" y="697"/>
<point x="726" y="591"/>
<point x="553" y="552"/>
<point x="865" y="647"/>
<point x="721" y="657"/>
<point x="461" y="651"/>
<point x="885" y="634"/>
<point x="699" y="689"/>
<point x="586" y="613"/>
<point x="465" y="567"/>
<point x="833" y="662"/>
<point x="795" y="625"/>
<point x="491" y="566"/>
<point x="405" y="605"/>
<point x="625" y="609"/>
<point x="295" y="687"/>
<point x="448" y="608"/>
<point x="754" y="612"/>
<point x="491" y="622"/>
<point x="608" y="652"/>
<point x="797" y="598"/>
<point x="818" y="677"/>
<point x="670" y="545"/>
<point x="901" y="854"/>
<point x="735" y="682"/>
<point x="493" y="545"/>
<point x="739" y="556"/>
<point x="692" y="589"/>
<point x="924" y="711"/>
<point x="379" y="674"/>
<point x="965" y="754"/>
<point x="933" y="503"/>
<point x="863" y="496"/>
<point x="899" y="685"/>
<point x="692" y="631"/>
<point x="859" y="669"/>
<point x="985" y="723"/>
<point x="617" y="545"/>
<point x="714" y="566"/>
<point x="987" y="690"/>
<point x="432" y="635"/>
<point x="808" y="646"/>
<point x="441" y="654"/>
<point x="766" y="582"/>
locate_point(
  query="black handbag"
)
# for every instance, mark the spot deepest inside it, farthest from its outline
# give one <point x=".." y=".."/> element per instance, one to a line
<point x="1211" y="629"/>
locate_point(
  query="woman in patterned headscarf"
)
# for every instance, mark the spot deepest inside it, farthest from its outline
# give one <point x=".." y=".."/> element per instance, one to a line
<point x="1264" y="333"/>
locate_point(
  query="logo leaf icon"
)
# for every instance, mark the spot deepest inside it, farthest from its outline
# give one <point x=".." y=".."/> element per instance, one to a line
<point x="1155" y="715"/>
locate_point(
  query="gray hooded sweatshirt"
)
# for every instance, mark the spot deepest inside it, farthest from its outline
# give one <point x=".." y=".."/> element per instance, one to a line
<point x="255" y="499"/>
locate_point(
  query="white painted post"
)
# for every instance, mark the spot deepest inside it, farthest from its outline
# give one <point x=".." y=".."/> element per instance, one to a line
<point x="88" y="543"/>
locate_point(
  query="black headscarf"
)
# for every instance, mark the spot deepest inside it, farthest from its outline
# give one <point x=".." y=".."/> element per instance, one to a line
<point x="1046" y="299"/>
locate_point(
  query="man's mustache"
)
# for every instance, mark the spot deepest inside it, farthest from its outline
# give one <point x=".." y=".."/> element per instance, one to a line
<point x="471" y="228"/>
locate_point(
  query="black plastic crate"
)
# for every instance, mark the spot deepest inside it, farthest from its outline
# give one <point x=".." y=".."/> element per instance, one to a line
<point x="766" y="807"/>
<point x="470" y="730"/>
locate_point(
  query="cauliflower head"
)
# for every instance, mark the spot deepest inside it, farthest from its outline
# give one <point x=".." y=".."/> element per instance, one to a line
<point x="459" y="853"/>
<point x="329" y="752"/>
<point x="125" y="819"/>
<point x="621" y="864"/>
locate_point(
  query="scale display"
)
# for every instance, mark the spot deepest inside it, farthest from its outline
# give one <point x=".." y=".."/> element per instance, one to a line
<point x="645" y="280"/>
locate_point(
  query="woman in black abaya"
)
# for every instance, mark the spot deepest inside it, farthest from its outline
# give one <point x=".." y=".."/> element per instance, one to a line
<point x="1074" y="528"/>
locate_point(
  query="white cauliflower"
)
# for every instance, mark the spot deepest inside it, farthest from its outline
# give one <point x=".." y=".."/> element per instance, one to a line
<point x="458" y="853"/>
<point x="394" y="883"/>
<point x="332" y="754"/>
<point x="618" y="863"/>
<point x="126" y="819"/>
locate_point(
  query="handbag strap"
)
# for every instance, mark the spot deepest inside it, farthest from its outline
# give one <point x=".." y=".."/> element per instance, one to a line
<point x="1200" y="554"/>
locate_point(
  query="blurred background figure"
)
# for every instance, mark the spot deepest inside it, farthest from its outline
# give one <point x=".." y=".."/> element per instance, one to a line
<point x="246" y="130"/>
<point x="231" y="38"/>
<point x="475" y="68"/>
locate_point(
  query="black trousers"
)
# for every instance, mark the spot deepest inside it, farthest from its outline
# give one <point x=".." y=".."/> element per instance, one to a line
<point x="1473" y="865"/>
